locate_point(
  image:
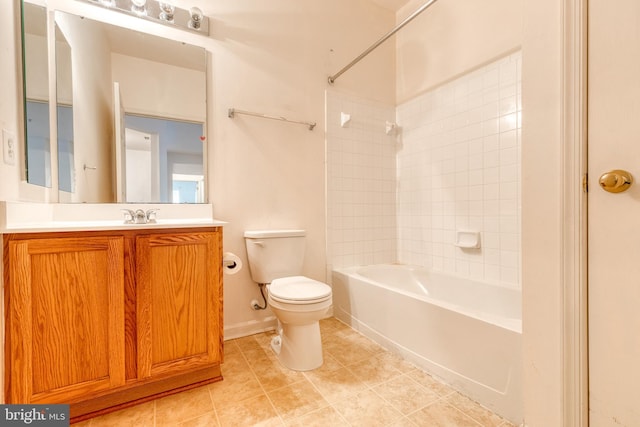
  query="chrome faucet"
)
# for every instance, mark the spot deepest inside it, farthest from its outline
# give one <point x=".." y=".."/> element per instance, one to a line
<point x="139" y="216"/>
<point x="151" y="216"/>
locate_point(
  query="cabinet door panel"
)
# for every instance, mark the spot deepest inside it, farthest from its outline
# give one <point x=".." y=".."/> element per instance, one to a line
<point x="65" y="318"/>
<point x="178" y="302"/>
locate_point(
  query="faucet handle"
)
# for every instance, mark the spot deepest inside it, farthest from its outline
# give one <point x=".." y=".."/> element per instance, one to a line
<point x="129" y="215"/>
<point x="151" y="216"/>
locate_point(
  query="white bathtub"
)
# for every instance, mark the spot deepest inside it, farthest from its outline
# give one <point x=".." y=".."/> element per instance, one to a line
<point x="464" y="332"/>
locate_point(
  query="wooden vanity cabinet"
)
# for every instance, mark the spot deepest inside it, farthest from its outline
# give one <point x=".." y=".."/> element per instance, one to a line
<point x="178" y="306"/>
<point x="106" y="318"/>
<point x="65" y="306"/>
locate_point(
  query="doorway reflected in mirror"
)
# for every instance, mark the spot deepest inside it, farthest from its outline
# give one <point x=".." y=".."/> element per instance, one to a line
<point x="163" y="160"/>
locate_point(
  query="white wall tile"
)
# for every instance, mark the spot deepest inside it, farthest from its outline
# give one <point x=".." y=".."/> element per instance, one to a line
<point x="471" y="169"/>
<point x="456" y="166"/>
<point x="361" y="181"/>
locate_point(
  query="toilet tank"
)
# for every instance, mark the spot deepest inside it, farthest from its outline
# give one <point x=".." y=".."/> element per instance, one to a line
<point x="273" y="254"/>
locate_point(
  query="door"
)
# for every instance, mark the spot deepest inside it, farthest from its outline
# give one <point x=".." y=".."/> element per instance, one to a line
<point x="614" y="218"/>
<point x="179" y="303"/>
<point x="65" y="318"/>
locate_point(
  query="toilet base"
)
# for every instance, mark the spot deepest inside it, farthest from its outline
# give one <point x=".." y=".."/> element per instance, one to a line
<point x="300" y="346"/>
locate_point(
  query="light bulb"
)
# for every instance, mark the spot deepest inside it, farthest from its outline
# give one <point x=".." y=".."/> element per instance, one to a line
<point x="138" y="6"/>
<point x="167" y="11"/>
<point x="196" y="18"/>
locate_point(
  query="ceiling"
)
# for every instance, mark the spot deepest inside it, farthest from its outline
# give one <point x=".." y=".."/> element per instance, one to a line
<point x="391" y="4"/>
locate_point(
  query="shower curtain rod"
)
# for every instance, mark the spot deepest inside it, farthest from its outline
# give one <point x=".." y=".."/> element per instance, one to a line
<point x="382" y="40"/>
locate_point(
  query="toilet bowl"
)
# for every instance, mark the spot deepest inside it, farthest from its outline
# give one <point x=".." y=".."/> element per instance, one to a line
<point x="299" y="303"/>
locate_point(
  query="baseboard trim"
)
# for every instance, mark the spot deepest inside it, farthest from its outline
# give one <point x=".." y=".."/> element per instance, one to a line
<point x="251" y="327"/>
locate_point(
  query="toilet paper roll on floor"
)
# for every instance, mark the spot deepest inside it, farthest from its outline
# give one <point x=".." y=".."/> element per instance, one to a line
<point x="231" y="263"/>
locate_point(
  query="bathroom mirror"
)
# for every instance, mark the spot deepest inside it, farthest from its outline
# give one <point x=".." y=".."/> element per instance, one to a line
<point x="36" y="99"/>
<point x="131" y="114"/>
<point x="64" y="114"/>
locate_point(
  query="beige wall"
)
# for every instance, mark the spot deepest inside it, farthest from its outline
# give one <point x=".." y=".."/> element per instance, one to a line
<point x="542" y="207"/>
<point x="274" y="57"/>
<point x="453" y="37"/>
<point x="160" y="90"/>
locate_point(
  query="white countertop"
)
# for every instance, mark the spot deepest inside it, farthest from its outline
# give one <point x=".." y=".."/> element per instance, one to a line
<point x="24" y="217"/>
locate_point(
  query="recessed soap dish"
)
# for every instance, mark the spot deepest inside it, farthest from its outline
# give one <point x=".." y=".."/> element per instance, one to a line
<point x="467" y="239"/>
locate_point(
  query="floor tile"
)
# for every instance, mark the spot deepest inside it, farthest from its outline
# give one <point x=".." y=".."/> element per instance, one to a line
<point x="474" y="410"/>
<point x="264" y="339"/>
<point x="207" y="420"/>
<point x="373" y="371"/>
<point x="236" y="386"/>
<point x="273" y="375"/>
<point x="405" y="394"/>
<point x="324" y="417"/>
<point x="395" y="361"/>
<point x="183" y="406"/>
<point x="296" y="400"/>
<point x="367" y="409"/>
<point x="140" y="415"/>
<point x="337" y="385"/>
<point x="231" y="347"/>
<point x="431" y="383"/>
<point x="247" y="343"/>
<point x="346" y="354"/>
<point x="235" y="362"/>
<point x="440" y="414"/>
<point x="259" y="355"/>
<point x="256" y="411"/>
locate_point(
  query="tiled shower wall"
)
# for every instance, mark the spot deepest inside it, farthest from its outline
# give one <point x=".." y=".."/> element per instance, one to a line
<point x="459" y="169"/>
<point x="454" y="165"/>
<point x="361" y="182"/>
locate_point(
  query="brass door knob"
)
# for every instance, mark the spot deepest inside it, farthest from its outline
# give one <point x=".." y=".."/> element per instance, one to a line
<point x="616" y="181"/>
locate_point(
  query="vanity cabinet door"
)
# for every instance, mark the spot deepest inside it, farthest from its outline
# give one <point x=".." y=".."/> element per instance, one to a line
<point x="179" y="302"/>
<point x="65" y="318"/>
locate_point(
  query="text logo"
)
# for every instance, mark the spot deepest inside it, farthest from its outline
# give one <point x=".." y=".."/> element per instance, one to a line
<point x="34" y="415"/>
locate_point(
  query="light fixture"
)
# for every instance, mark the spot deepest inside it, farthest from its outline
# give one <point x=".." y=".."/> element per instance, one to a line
<point x="163" y="12"/>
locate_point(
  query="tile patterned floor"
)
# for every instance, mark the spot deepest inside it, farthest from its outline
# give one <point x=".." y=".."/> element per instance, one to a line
<point x="360" y="384"/>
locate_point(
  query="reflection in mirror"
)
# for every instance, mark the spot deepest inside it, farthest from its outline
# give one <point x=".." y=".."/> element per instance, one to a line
<point x="163" y="160"/>
<point x="64" y="94"/>
<point x="36" y="80"/>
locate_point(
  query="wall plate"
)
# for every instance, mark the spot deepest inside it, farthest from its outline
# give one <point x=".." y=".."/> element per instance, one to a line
<point x="9" y="147"/>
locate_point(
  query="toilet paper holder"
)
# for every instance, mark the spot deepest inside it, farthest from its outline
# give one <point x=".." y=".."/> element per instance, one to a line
<point x="229" y="263"/>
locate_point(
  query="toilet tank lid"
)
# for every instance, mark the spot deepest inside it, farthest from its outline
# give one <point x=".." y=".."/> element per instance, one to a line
<point x="265" y="234"/>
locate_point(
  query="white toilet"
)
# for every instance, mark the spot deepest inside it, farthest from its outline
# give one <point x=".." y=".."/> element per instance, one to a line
<point x="275" y="258"/>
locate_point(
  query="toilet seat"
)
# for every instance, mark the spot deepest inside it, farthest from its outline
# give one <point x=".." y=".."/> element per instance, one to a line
<point x="299" y="290"/>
